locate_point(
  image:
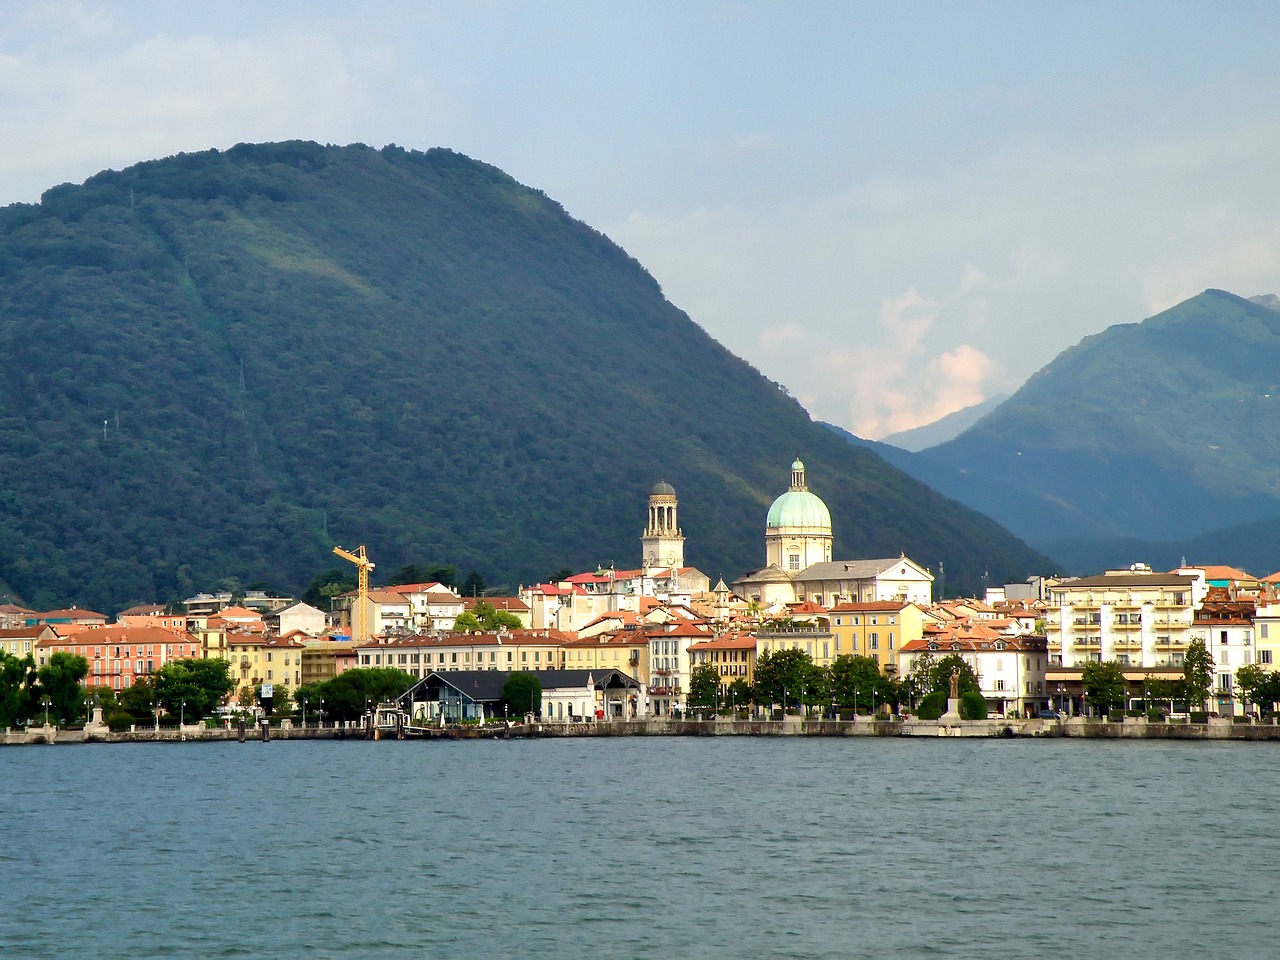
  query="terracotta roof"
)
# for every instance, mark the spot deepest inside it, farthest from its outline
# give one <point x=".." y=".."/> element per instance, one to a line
<point x="726" y="643"/>
<point x="870" y="606"/>
<point x="72" y="614"/>
<point x="122" y="635"/>
<point x="1221" y="572"/>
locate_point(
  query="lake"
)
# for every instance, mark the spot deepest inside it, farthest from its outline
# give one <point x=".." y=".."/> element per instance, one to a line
<point x="639" y="847"/>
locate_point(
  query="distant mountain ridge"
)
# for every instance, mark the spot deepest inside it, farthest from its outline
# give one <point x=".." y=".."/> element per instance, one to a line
<point x="944" y="428"/>
<point x="224" y="363"/>
<point x="1151" y="436"/>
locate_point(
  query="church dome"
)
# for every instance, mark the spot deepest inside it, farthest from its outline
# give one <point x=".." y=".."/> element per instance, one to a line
<point x="798" y="508"/>
<point x="662" y="489"/>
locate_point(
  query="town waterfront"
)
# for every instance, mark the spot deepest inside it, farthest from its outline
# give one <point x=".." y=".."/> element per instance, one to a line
<point x="639" y="847"/>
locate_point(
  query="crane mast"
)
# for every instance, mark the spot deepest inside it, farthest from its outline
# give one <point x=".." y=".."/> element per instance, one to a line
<point x="360" y="620"/>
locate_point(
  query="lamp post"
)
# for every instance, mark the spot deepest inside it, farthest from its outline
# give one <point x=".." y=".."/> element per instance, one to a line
<point x="304" y="713"/>
<point x="155" y="713"/>
<point x="182" y="715"/>
<point x="1061" y="701"/>
<point x="45" y="702"/>
<point x="322" y="711"/>
<point x="855" y="703"/>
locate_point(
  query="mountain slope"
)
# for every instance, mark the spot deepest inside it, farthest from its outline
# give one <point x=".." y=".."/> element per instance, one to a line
<point x="223" y="363"/>
<point x="1158" y="429"/>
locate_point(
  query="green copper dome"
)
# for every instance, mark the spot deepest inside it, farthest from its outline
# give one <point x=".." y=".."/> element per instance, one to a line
<point x="798" y="508"/>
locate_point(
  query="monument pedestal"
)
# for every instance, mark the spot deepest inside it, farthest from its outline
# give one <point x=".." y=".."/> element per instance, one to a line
<point x="953" y="711"/>
<point x="96" y="723"/>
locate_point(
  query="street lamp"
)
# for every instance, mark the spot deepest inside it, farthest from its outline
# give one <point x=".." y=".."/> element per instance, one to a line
<point x="182" y="715"/>
<point x="45" y="701"/>
<point x="155" y="713"/>
<point x="304" y="713"/>
<point x="1061" y="699"/>
<point x="322" y="711"/>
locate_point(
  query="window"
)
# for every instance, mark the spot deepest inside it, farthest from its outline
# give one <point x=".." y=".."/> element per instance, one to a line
<point x="1264" y="656"/>
<point x="1224" y="683"/>
<point x="873" y="642"/>
<point x="793" y="561"/>
<point x="1262" y="627"/>
<point x="999" y="684"/>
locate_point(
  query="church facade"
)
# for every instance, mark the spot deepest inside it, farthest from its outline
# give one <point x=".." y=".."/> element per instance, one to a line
<point x="798" y="566"/>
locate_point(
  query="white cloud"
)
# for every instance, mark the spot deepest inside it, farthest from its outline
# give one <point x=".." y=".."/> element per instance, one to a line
<point x="77" y="110"/>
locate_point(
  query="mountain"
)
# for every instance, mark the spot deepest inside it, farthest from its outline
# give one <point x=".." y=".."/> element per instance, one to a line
<point x="944" y="428"/>
<point x="1158" y="430"/>
<point x="223" y="363"/>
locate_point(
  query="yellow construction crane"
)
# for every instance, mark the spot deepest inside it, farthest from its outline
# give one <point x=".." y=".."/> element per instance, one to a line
<point x="360" y="619"/>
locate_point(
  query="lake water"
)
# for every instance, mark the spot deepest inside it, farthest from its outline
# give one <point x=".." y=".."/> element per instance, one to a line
<point x="640" y="847"/>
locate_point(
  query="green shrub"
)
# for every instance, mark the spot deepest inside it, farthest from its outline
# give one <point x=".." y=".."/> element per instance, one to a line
<point x="1133" y="713"/>
<point x="973" y="706"/>
<point x="1116" y="716"/>
<point x="120" y="722"/>
<point x="1155" y="716"/>
<point x="846" y="714"/>
<point x="884" y="715"/>
<point x="1199" y="716"/>
<point x="933" y="706"/>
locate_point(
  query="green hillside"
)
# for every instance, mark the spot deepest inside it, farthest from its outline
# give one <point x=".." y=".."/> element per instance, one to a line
<point x="1159" y="429"/>
<point x="223" y="363"/>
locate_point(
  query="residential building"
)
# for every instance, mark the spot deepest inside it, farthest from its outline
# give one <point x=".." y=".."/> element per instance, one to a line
<point x="878" y="629"/>
<point x="1011" y="670"/>
<point x="733" y="657"/>
<point x="419" y="654"/>
<point x="297" y="616"/>
<point x="117" y="656"/>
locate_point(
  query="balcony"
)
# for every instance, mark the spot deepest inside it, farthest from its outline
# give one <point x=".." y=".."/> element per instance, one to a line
<point x="1087" y="621"/>
<point x="1128" y="643"/>
<point x="1127" y="625"/>
<point x="1087" y="642"/>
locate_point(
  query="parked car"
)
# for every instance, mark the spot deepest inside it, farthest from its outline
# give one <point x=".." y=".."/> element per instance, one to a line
<point x="1050" y="715"/>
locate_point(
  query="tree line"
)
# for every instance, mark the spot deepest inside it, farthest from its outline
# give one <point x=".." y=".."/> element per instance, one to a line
<point x="852" y="683"/>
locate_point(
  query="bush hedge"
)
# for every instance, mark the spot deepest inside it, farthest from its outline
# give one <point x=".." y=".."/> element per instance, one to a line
<point x="973" y="706"/>
<point x="933" y="706"/>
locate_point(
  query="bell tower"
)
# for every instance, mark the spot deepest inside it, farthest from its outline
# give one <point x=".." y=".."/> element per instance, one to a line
<point x="662" y="543"/>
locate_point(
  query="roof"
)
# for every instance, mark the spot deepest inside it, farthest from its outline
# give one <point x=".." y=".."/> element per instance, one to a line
<point x="662" y="489"/>
<point x="726" y="643"/>
<point x="509" y="604"/>
<point x="72" y="614"/>
<point x="142" y="610"/>
<point x="871" y="606"/>
<point x="857" y="569"/>
<point x="485" y="686"/>
<point x="239" y="613"/>
<point x="121" y="635"/>
<point x="1221" y="572"/>
<point x="1129" y="580"/>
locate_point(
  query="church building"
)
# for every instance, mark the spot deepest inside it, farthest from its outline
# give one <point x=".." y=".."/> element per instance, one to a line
<point x="798" y="566"/>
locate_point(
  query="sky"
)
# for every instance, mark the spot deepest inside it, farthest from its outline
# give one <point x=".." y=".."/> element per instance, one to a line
<point x="893" y="210"/>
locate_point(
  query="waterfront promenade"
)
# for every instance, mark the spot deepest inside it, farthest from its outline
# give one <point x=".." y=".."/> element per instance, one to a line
<point x="1076" y="727"/>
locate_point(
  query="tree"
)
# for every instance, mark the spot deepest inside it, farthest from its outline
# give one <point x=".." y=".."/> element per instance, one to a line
<point x="1251" y="681"/>
<point x="59" y="680"/>
<point x="739" y="693"/>
<point x="484" y="617"/>
<point x="327" y="585"/>
<point x="1197" y="674"/>
<point x="138" y="698"/>
<point x="350" y="693"/>
<point x="473" y="586"/>
<point x="856" y="680"/>
<point x="704" y="687"/>
<point x="17" y="682"/>
<point x="1104" y="685"/>
<point x="940" y="675"/>
<point x="522" y="693"/>
<point x="193" y="688"/>
<point x="782" y="676"/>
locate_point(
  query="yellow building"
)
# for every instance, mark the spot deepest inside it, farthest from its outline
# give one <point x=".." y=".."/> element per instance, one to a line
<point x="733" y="657"/>
<point x="524" y="650"/>
<point x="877" y="629"/>
<point x="623" y="650"/>
<point x="256" y="660"/>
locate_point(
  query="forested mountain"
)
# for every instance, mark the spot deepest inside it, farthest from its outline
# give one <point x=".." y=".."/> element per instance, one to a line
<point x="221" y="364"/>
<point x="944" y="428"/>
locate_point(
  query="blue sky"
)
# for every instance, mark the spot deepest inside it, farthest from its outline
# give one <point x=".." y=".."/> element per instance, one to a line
<point x="895" y="210"/>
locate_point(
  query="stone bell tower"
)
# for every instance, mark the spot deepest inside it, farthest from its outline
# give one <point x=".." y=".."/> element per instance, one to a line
<point x="662" y="543"/>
